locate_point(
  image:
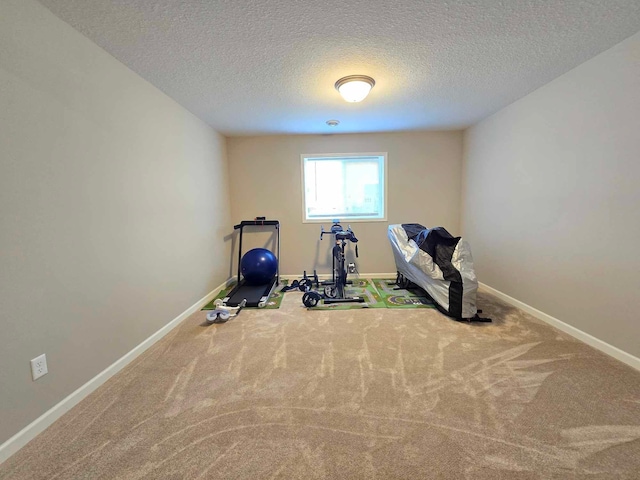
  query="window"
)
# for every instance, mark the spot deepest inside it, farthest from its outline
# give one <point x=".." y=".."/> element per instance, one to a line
<point x="344" y="186"/>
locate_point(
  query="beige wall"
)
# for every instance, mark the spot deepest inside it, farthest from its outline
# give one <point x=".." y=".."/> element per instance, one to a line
<point x="551" y="197"/>
<point x="114" y="205"/>
<point x="424" y="170"/>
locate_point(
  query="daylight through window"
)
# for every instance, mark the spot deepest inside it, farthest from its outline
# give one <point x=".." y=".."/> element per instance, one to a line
<point x="347" y="187"/>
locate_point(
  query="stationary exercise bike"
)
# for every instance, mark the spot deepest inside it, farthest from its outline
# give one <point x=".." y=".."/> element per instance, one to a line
<point x="334" y="290"/>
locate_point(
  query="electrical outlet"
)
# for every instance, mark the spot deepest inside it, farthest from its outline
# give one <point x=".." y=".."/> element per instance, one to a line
<point x="39" y="366"/>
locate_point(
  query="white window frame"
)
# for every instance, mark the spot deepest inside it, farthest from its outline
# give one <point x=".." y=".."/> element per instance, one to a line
<point x="385" y="190"/>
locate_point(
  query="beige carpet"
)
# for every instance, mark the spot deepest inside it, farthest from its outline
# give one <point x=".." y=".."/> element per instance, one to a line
<point x="376" y="393"/>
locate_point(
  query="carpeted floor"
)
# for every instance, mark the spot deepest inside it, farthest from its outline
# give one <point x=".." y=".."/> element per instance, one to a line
<point x="371" y="393"/>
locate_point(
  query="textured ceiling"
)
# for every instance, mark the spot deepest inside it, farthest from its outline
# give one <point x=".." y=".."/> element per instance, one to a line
<point x="269" y="66"/>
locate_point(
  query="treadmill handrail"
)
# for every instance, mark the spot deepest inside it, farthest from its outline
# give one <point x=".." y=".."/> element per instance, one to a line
<point x="245" y="223"/>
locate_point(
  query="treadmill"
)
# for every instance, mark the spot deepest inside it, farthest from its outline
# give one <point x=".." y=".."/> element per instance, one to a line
<point x="256" y="295"/>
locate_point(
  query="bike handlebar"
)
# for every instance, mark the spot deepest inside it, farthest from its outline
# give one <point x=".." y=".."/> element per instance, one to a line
<point x="340" y="234"/>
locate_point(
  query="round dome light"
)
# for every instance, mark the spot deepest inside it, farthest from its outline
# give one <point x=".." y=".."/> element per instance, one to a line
<point x="355" y="88"/>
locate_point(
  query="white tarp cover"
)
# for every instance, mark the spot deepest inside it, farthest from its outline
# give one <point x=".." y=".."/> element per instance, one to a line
<point x="438" y="263"/>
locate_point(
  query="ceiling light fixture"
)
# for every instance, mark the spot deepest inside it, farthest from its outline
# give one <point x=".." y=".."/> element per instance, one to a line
<point x="355" y="88"/>
<point x="333" y="123"/>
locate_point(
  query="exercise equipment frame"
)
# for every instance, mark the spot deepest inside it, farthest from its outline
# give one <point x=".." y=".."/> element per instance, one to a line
<point x="255" y="295"/>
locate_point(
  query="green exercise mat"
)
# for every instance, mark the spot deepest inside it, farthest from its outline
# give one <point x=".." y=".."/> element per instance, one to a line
<point x="400" y="298"/>
<point x="361" y="287"/>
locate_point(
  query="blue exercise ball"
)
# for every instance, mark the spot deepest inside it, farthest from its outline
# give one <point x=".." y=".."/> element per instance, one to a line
<point x="258" y="266"/>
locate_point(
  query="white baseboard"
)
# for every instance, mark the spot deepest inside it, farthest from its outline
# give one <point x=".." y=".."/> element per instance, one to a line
<point x="325" y="276"/>
<point x="566" y="328"/>
<point x="380" y="275"/>
<point x="29" y="432"/>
